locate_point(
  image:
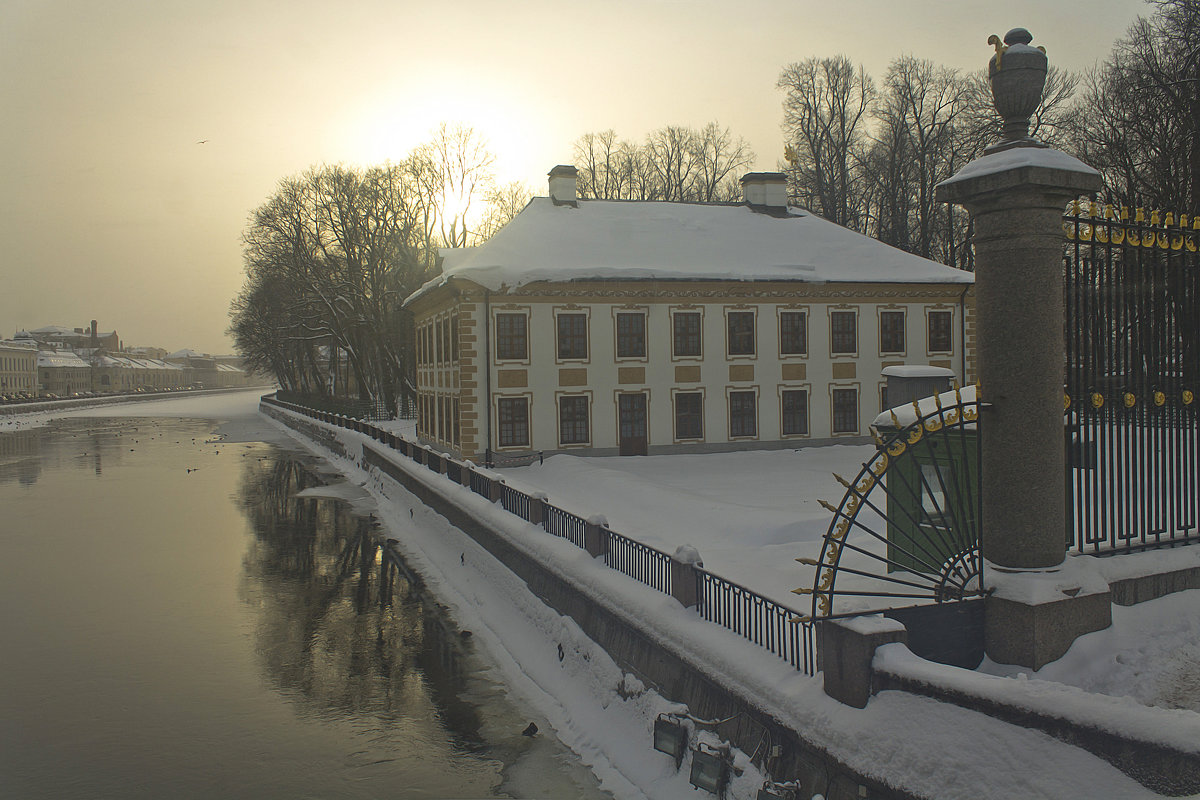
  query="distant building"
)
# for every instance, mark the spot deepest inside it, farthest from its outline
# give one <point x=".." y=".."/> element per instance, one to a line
<point x="214" y="372"/>
<point x="63" y="373"/>
<point x="628" y="327"/>
<point x="56" y="337"/>
<point x="18" y="367"/>
<point x="119" y="372"/>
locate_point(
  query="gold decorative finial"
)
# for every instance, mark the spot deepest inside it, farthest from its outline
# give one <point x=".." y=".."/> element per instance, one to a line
<point x="1000" y="48"/>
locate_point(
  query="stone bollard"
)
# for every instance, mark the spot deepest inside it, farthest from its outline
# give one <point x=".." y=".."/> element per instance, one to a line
<point x="537" y="507"/>
<point x="684" y="583"/>
<point x="846" y="648"/>
<point x="595" y="535"/>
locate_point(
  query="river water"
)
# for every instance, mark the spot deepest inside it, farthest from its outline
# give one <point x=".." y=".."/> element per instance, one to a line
<point x="178" y="623"/>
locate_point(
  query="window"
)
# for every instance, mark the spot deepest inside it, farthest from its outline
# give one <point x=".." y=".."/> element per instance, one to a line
<point x="743" y="417"/>
<point x="512" y="341"/>
<point x="941" y="333"/>
<point x="741" y="333"/>
<point x="454" y="338"/>
<point x="686" y="340"/>
<point x="845" y="410"/>
<point x="843" y="332"/>
<point x="795" y="412"/>
<point x="793" y="333"/>
<point x="883" y="403"/>
<point x="572" y="336"/>
<point x="891" y="331"/>
<point x="573" y="420"/>
<point x="440" y="341"/>
<point x="631" y="335"/>
<point x="689" y="415"/>
<point x="514" y="420"/>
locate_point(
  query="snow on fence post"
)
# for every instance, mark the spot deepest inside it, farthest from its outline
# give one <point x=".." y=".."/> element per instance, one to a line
<point x="494" y="494"/>
<point x="464" y="473"/>
<point x="595" y="535"/>
<point x="537" y="507"/>
<point x="683" y="575"/>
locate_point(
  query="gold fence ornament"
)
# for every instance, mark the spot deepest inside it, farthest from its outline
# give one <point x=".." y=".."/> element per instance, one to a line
<point x="1188" y="397"/>
<point x="1097" y="400"/>
<point x="1130" y="400"/>
<point x="1066" y="402"/>
<point x="1160" y="398"/>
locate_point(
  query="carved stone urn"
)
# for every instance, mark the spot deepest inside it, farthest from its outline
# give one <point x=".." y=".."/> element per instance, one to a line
<point x="1018" y="74"/>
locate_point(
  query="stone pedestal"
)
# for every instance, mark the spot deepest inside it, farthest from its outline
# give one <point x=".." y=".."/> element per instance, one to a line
<point x="1016" y="194"/>
<point x="1033" y="617"/>
<point x="846" y="648"/>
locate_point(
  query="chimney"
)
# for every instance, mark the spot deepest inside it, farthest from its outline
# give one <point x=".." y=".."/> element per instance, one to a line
<point x="765" y="191"/>
<point x="562" y="185"/>
<point x="95" y="340"/>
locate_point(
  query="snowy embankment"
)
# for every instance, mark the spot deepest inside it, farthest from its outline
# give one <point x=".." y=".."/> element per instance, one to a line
<point x="928" y="748"/>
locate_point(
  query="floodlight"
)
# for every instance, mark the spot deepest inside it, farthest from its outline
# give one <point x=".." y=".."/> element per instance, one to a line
<point x="670" y="737"/>
<point x="710" y="768"/>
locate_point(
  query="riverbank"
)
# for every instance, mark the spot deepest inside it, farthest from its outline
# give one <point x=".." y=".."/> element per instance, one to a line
<point x="928" y="748"/>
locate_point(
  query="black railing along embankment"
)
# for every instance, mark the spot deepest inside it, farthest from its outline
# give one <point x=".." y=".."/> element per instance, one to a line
<point x="778" y="629"/>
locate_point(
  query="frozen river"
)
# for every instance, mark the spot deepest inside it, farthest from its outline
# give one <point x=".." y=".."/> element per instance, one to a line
<point x="179" y="623"/>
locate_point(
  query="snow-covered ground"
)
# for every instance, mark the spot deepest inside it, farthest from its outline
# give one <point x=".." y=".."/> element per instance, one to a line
<point x="750" y="514"/>
<point x="930" y="748"/>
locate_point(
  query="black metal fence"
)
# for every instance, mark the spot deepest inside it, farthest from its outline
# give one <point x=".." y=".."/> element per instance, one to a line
<point x="758" y="619"/>
<point x="764" y="622"/>
<point x="1132" y="297"/>
<point x="639" y="561"/>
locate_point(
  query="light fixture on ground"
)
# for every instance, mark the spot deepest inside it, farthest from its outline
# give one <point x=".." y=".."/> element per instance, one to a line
<point x="671" y="736"/>
<point x="710" y="768"/>
<point x="778" y="791"/>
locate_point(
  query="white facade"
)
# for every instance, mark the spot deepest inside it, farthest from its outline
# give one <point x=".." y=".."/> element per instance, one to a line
<point x="636" y="327"/>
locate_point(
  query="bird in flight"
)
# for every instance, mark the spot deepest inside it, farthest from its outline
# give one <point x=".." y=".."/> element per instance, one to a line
<point x="202" y="141"/>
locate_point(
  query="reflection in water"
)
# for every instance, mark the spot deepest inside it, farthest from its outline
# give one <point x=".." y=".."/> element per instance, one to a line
<point x="345" y="628"/>
<point x="208" y="634"/>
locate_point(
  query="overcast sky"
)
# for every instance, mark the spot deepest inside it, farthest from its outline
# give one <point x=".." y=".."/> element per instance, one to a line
<point x="111" y="210"/>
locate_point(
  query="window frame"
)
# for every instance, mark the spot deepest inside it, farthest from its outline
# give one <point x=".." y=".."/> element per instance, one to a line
<point x="930" y="313"/>
<point x="560" y="403"/>
<point x="834" y="315"/>
<point x="573" y="336"/>
<point x="803" y="332"/>
<point x="698" y="415"/>
<point x="835" y="411"/>
<point x="730" y="401"/>
<point x="509" y="353"/>
<point x="890" y="313"/>
<point x="510" y="402"/>
<point x="740" y="313"/>
<point x="620" y="337"/>
<point x="783" y="412"/>
<point x="699" y="333"/>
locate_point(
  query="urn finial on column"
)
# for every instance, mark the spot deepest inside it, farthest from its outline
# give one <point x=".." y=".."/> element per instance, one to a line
<point x="1017" y="73"/>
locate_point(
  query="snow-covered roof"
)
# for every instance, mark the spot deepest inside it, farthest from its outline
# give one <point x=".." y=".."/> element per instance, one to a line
<point x="19" y="344"/>
<point x="61" y="358"/>
<point x="644" y="240"/>
<point x="186" y="354"/>
<point x="125" y="362"/>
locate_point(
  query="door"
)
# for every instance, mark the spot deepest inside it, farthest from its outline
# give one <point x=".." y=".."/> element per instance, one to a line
<point x="631" y="409"/>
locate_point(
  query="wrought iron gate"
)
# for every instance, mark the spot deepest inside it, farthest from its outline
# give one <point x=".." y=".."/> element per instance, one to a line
<point x="1132" y="297"/>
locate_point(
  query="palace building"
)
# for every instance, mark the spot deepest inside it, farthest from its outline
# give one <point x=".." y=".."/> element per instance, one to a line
<point x="639" y="327"/>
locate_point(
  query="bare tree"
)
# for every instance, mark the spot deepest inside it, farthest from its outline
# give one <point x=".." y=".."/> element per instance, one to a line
<point x="826" y="109"/>
<point x="454" y="172"/>
<point x="1140" y="124"/>
<point x="674" y="163"/>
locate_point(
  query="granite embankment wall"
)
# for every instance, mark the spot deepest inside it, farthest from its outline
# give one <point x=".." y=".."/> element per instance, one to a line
<point x="637" y="649"/>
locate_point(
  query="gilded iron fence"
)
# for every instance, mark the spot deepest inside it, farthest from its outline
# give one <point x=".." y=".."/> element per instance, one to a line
<point x="1132" y="299"/>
